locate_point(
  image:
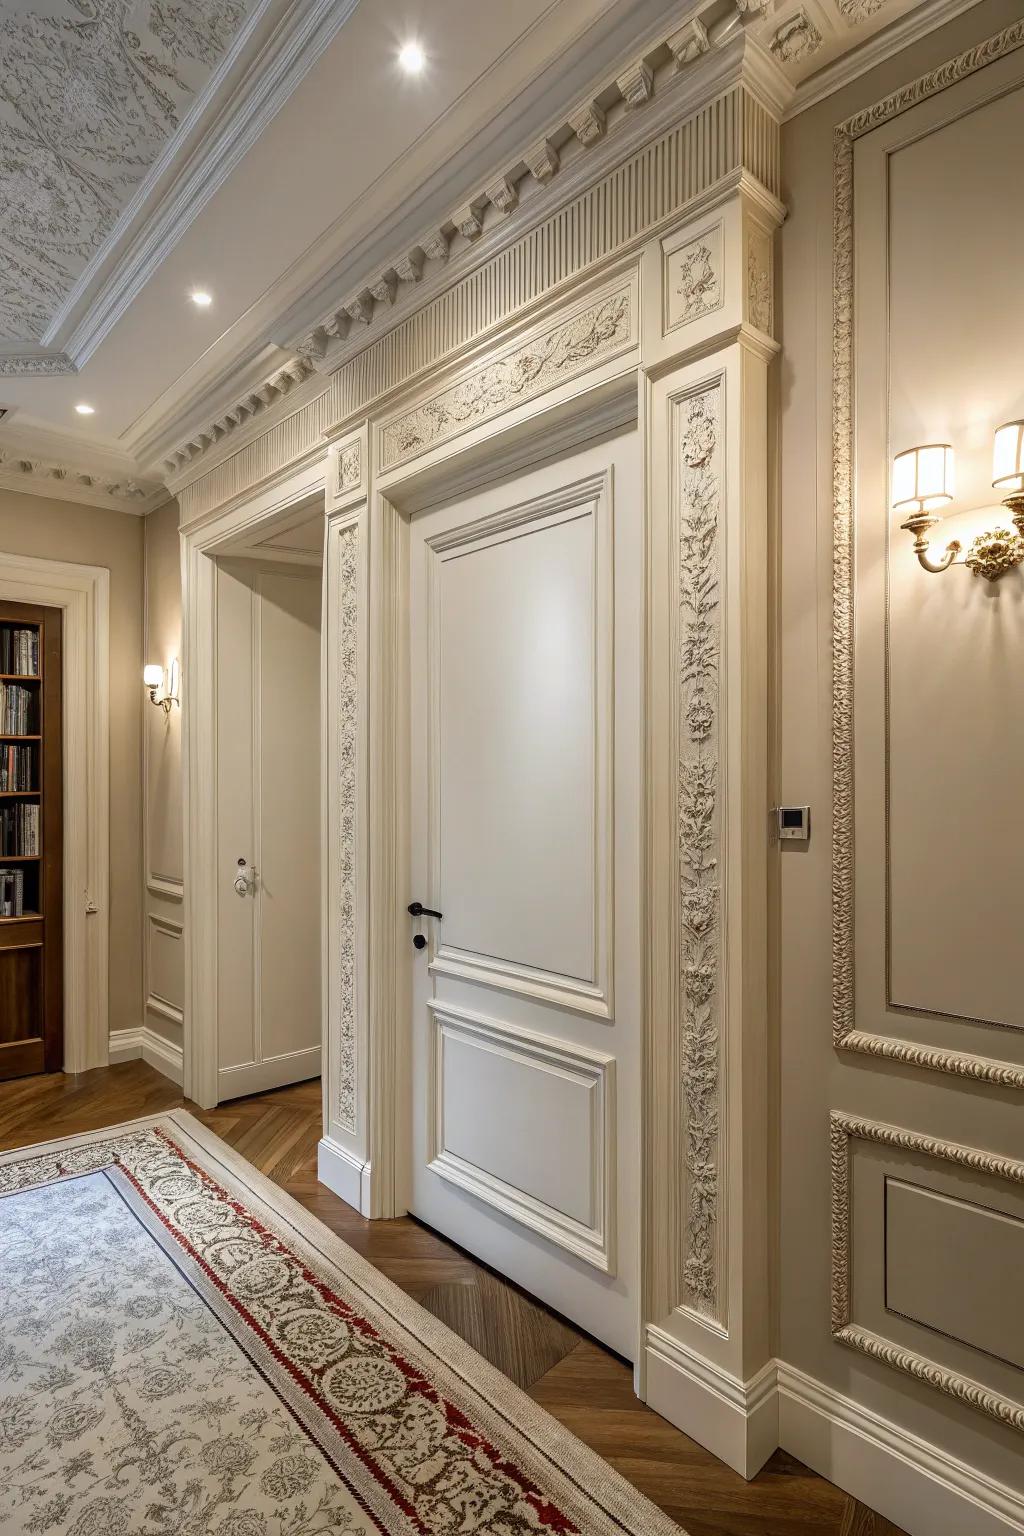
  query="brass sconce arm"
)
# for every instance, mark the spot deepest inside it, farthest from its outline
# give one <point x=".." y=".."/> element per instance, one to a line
<point x="919" y="525"/>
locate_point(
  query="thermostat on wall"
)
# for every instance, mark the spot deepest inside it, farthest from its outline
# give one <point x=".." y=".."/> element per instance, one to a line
<point x="794" y="821"/>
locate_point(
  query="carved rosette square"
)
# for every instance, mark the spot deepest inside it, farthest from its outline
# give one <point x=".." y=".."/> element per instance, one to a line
<point x="350" y="467"/>
<point x="694" y="279"/>
<point x="699" y="835"/>
<point x="348" y="790"/>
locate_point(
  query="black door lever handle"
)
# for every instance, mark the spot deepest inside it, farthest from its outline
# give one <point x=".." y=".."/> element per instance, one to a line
<point x="417" y="909"/>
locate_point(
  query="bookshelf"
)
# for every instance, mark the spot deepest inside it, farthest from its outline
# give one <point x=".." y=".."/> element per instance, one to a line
<point x="31" y="840"/>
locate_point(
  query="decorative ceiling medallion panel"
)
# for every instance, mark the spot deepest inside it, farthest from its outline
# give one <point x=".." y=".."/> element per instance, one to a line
<point x="91" y="91"/>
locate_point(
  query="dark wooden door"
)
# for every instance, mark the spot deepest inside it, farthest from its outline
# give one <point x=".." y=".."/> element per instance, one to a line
<point x="31" y="840"/>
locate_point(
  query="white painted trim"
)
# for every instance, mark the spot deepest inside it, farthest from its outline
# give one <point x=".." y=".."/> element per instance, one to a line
<point x="736" y="1420"/>
<point x="260" y="511"/>
<point x="594" y="1244"/>
<point x="83" y="593"/>
<point x="273" y="1072"/>
<point x="924" y="1490"/>
<point x="161" y="1054"/>
<point x="344" y="1174"/>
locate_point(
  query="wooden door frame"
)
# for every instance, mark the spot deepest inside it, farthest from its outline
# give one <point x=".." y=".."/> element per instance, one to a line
<point x="82" y="593"/>
<point x="256" y="513"/>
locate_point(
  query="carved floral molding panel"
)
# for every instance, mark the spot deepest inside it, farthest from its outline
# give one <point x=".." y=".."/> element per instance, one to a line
<point x="90" y="93"/>
<point x="700" y="835"/>
<point x="560" y="353"/>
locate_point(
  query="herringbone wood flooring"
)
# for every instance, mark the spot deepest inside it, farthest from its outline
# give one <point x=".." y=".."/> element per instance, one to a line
<point x="577" y="1381"/>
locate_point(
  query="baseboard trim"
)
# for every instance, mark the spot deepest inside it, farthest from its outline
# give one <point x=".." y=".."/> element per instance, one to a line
<point x="145" y="1043"/>
<point x="924" y="1490"/>
<point x="736" y="1420"/>
<point x="344" y="1173"/>
<point x="262" y="1076"/>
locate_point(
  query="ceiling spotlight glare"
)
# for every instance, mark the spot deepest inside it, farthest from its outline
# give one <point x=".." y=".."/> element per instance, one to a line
<point x="412" y="58"/>
<point x="85" y="410"/>
<point x="200" y="299"/>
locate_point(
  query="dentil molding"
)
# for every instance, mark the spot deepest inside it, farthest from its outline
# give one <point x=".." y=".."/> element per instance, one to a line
<point x="536" y="165"/>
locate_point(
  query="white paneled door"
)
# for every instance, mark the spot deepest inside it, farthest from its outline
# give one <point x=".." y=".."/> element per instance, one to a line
<point x="268" y="839"/>
<point x="525" y="672"/>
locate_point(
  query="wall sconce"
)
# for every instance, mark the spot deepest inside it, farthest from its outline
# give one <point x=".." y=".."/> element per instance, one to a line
<point x="164" y="687"/>
<point x="922" y="480"/>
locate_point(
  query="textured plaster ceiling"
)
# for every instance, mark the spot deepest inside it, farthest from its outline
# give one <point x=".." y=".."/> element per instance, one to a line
<point x="90" y="93"/>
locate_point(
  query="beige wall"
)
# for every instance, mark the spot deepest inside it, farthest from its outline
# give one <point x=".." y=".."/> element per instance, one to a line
<point x="162" y="880"/>
<point x="948" y="364"/>
<point x="59" y="530"/>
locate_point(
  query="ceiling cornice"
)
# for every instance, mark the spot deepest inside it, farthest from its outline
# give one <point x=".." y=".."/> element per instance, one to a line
<point x="214" y="137"/>
<point x="46" y="463"/>
<point x="882" y="45"/>
<point x="253" y="403"/>
<point x="672" y="73"/>
<point x="637" y="102"/>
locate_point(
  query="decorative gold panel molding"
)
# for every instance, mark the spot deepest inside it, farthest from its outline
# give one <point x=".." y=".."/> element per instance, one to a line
<point x="843" y="1129"/>
<point x="845" y="1034"/>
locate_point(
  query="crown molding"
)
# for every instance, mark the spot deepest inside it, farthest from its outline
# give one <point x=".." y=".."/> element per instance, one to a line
<point x="270" y="57"/>
<point x="34" y="362"/>
<point x="875" y="50"/>
<point x="681" y="70"/>
<point x="252" y="403"/>
<point x="537" y="181"/>
<point x="41" y="462"/>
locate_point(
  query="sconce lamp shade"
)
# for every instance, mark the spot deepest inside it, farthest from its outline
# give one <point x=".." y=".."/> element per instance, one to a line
<point x="922" y="478"/>
<point x="153" y="675"/>
<point x="1008" y="458"/>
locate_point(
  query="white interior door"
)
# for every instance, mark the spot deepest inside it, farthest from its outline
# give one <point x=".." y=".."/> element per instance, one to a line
<point x="268" y="784"/>
<point x="525" y="670"/>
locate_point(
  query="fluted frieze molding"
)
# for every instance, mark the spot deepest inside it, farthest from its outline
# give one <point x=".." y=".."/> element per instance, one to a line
<point x="843" y="1130"/>
<point x="241" y="413"/>
<point x="634" y="88"/>
<point x="699" y="133"/>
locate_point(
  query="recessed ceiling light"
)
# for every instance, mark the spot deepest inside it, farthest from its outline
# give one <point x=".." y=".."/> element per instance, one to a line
<point x="85" y="410"/>
<point x="202" y="299"/>
<point x="412" y="58"/>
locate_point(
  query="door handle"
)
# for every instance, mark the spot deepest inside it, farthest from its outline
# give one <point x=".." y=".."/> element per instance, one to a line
<point x="245" y="880"/>
<point x="417" y="909"/>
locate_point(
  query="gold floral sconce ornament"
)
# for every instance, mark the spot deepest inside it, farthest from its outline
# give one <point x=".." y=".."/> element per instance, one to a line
<point x="922" y="482"/>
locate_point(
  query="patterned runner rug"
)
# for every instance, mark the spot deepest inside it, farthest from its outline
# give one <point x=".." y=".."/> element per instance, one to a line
<point x="185" y="1352"/>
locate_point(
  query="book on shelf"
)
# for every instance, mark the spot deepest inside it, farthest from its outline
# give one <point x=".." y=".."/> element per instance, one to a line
<point x="12" y="893"/>
<point x="17" y="709"/>
<point x="17" y="768"/>
<point x="19" y="651"/>
<point x="19" y="831"/>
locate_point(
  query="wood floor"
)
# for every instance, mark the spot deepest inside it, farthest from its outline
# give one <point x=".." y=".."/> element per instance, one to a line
<point x="577" y="1381"/>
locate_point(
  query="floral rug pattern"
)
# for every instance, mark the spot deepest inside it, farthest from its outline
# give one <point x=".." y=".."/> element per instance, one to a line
<point x="171" y="1365"/>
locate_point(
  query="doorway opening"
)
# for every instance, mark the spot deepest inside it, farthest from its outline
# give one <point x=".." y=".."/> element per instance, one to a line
<point x="254" y="830"/>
